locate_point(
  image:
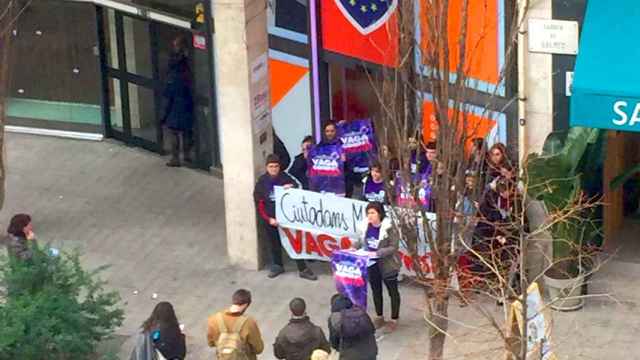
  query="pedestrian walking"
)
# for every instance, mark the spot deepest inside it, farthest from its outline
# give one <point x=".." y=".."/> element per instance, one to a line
<point x="351" y="330"/>
<point x="381" y="240"/>
<point x="20" y="237"/>
<point x="373" y="187"/>
<point x="300" y="337"/>
<point x="299" y="167"/>
<point x="264" y="197"/>
<point x="160" y="336"/>
<point x="235" y="336"/>
<point x="178" y="114"/>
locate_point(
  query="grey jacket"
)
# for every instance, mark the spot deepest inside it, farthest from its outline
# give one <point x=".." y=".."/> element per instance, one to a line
<point x="144" y="349"/>
<point x="20" y="247"/>
<point x="389" y="259"/>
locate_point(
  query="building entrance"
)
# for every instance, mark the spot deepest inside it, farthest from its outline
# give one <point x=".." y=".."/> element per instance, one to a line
<point x="153" y="79"/>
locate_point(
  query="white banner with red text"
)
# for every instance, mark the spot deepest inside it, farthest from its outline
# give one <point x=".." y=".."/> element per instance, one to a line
<point x="312" y="225"/>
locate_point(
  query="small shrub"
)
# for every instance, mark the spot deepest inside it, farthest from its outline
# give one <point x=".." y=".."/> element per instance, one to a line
<point x="54" y="309"/>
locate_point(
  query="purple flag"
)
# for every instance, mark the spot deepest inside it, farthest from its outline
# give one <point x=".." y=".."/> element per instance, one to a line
<point x="326" y="169"/>
<point x="359" y="144"/>
<point x="350" y="274"/>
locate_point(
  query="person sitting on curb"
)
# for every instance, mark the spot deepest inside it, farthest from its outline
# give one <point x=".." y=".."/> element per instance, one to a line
<point x="351" y="330"/>
<point x="235" y="335"/>
<point x="300" y="338"/>
<point x="265" y="199"/>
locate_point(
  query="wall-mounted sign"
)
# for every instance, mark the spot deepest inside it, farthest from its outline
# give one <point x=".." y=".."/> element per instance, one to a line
<point x="553" y="36"/>
<point x="199" y="42"/>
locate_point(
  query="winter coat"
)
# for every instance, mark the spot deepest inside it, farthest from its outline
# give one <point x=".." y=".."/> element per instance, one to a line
<point x="170" y="343"/>
<point x="20" y="247"/>
<point x="264" y="195"/>
<point x="179" y="109"/>
<point x="299" y="339"/>
<point x="299" y="171"/>
<point x="361" y="348"/>
<point x="387" y="253"/>
<point x="250" y="333"/>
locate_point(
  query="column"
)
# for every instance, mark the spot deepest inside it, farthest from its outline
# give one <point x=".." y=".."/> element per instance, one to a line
<point x="242" y="90"/>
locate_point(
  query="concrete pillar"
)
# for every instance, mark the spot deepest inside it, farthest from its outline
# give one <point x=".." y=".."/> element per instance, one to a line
<point x="538" y="86"/>
<point x="241" y="45"/>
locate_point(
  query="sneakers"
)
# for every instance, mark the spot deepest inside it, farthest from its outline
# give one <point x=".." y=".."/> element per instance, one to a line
<point x="378" y="322"/>
<point x="392" y="325"/>
<point x="275" y="271"/>
<point x="308" y="274"/>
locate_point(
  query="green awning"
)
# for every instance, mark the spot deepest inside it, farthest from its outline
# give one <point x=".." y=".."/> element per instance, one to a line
<point x="606" y="86"/>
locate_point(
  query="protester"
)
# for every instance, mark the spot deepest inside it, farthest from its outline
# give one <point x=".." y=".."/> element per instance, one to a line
<point x="381" y="240"/>
<point x="264" y="197"/>
<point x="299" y="167"/>
<point x="300" y="338"/>
<point x="431" y="153"/>
<point x="234" y="334"/>
<point x="178" y="114"/>
<point x="351" y="331"/>
<point x="417" y="159"/>
<point x="358" y="143"/>
<point x="20" y="237"/>
<point x="373" y="188"/>
<point x="498" y="165"/>
<point x="160" y="334"/>
<point x="326" y="164"/>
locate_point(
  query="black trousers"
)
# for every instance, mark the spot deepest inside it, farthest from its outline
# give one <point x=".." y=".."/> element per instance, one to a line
<point x="351" y="180"/>
<point x="376" y="280"/>
<point x="276" y="247"/>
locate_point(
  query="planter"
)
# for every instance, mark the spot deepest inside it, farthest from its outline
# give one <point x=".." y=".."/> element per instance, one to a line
<point x="565" y="293"/>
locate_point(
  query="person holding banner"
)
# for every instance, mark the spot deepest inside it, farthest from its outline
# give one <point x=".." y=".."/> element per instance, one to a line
<point x="381" y="240"/>
<point x="264" y="197"/>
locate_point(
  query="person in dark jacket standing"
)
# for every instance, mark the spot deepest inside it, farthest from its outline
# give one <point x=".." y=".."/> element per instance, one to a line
<point x="299" y="167"/>
<point x="300" y="338"/>
<point x="20" y="237"/>
<point x="160" y="332"/>
<point x="178" y="115"/>
<point x="264" y="197"/>
<point x="351" y="330"/>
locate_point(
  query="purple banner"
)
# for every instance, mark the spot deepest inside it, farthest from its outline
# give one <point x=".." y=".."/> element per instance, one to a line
<point x="359" y="143"/>
<point x="326" y="169"/>
<point x="350" y="274"/>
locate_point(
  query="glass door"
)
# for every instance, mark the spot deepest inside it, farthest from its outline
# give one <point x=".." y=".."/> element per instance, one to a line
<point x="136" y="54"/>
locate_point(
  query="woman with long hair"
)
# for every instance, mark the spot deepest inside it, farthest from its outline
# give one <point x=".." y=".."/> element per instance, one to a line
<point x="20" y="237"/>
<point x="498" y="165"/>
<point x="160" y="335"/>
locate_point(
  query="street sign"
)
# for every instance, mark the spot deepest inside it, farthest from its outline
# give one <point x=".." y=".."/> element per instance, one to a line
<point x="553" y="36"/>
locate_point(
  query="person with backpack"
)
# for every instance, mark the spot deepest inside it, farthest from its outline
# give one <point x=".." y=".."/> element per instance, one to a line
<point x="234" y="335"/>
<point x="161" y="336"/>
<point x="300" y="338"/>
<point x="351" y="330"/>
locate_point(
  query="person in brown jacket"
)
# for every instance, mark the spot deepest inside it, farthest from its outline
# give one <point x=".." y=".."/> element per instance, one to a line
<point x="249" y="332"/>
<point x="300" y="338"/>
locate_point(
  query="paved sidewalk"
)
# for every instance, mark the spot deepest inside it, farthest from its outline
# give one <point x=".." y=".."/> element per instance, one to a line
<point x="162" y="230"/>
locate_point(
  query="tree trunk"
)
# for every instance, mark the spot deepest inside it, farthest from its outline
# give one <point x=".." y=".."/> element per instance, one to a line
<point x="438" y="302"/>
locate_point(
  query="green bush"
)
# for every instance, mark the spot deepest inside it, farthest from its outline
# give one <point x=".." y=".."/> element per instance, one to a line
<point x="53" y="309"/>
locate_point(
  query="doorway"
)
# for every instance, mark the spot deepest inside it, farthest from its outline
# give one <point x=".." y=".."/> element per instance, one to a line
<point x="134" y="58"/>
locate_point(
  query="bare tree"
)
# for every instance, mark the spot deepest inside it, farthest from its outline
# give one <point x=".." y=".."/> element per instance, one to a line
<point x="497" y="268"/>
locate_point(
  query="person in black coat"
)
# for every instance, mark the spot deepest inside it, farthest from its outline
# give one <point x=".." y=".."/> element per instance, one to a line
<point x="160" y="332"/>
<point x="360" y="347"/>
<point x="178" y="115"/>
<point x="300" y="337"/>
<point x="264" y="198"/>
<point x="299" y="167"/>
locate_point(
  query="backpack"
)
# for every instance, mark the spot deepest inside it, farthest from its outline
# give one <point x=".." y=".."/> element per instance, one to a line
<point x="356" y="323"/>
<point x="230" y="345"/>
